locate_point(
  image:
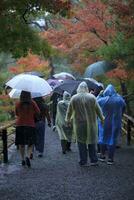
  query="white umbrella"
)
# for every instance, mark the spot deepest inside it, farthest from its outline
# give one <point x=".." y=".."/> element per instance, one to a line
<point x="15" y="94"/>
<point x="30" y="83"/>
<point x="64" y="75"/>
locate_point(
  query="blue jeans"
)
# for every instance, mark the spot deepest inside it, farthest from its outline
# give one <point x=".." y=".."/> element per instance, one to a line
<point x="40" y="136"/>
<point x="84" y="150"/>
<point x="109" y="148"/>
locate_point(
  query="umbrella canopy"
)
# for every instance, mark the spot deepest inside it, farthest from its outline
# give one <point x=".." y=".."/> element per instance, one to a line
<point x="35" y="73"/>
<point x="54" y="82"/>
<point x="30" y="83"/>
<point x="15" y="94"/>
<point x="72" y="85"/>
<point x="99" y="68"/>
<point x="64" y="75"/>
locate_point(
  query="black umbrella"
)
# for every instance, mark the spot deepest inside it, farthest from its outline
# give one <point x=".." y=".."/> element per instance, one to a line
<point x="72" y="85"/>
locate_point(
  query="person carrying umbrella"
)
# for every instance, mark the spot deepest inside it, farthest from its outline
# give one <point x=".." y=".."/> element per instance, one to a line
<point x="83" y="110"/>
<point x="25" y="110"/>
<point x="65" y="132"/>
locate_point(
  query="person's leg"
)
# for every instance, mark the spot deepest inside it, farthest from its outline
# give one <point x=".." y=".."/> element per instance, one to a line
<point x="29" y="150"/>
<point x="98" y="148"/>
<point x="63" y="146"/>
<point x="82" y="153"/>
<point x="103" y="148"/>
<point x="40" y="137"/>
<point x="111" y="151"/>
<point x="92" y="153"/>
<point x="68" y="146"/>
<point x="22" y="153"/>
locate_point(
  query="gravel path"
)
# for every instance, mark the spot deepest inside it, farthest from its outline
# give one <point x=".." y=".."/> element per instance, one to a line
<point x="59" y="177"/>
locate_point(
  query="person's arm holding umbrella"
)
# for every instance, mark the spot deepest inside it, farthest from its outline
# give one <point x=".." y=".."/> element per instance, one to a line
<point x="47" y="115"/>
<point x="99" y="112"/>
<point x="69" y="113"/>
<point x="36" y="108"/>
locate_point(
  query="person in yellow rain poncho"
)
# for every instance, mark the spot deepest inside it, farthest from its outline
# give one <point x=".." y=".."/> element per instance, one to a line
<point x="64" y="131"/>
<point x="83" y="110"/>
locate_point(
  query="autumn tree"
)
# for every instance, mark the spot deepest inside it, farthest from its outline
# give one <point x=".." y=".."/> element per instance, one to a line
<point x="90" y="27"/>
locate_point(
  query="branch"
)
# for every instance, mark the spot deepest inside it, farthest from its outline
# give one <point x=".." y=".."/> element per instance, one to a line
<point x="95" y="32"/>
<point x="29" y="7"/>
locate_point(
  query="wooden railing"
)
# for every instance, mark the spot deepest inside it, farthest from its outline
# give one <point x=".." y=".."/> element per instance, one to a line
<point x="128" y="127"/>
<point x="4" y="135"/>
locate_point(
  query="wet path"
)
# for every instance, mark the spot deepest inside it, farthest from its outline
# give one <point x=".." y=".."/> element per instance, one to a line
<point x="59" y="177"/>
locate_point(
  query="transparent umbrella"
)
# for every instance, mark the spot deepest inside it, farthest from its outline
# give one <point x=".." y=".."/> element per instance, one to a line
<point x="99" y="68"/>
<point x="64" y="75"/>
<point x="30" y="83"/>
<point x="15" y="94"/>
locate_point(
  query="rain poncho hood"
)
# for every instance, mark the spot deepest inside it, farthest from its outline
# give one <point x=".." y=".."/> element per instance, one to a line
<point x="60" y="116"/>
<point x="83" y="111"/>
<point x="82" y="88"/>
<point x="66" y="96"/>
<point x="109" y="91"/>
<point x="113" y="106"/>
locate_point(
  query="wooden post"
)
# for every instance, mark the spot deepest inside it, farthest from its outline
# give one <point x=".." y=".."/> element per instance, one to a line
<point x="128" y="132"/>
<point x="5" y="149"/>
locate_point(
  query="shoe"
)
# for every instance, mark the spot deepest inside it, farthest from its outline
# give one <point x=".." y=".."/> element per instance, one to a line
<point x="94" y="164"/>
<point x="102" y="158"/>
<point x="64" y="152"/>
<point x="23" y="162"/>
<point x="31" y="156"/>
<point x="40" y="155"/>
<point x="54" y="128"/>
<point x="110" y="162"/>
<point x="28" y="162"/>
<point x="85" y="165"/>
<point x="69" y="149"/>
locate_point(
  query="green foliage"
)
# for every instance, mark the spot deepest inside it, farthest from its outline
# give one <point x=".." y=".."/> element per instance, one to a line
<point x="3" y="77"/>
<point x="16" y="35"/>
<point x="4" y="117"/>
<point x="120" y="48"/>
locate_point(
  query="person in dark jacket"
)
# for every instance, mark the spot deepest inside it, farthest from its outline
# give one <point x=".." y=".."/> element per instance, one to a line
<point x="40" y="121"/>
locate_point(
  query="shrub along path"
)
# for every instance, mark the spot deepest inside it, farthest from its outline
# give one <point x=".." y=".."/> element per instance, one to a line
<point x="59" y="177"/>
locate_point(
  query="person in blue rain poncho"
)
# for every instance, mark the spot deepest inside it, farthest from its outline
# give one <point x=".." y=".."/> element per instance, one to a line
<point x="113" y="106"/>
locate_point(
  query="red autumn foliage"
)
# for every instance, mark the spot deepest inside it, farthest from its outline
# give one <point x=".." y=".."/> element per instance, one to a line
<point x="30" y="63"/>
<point x="90" y="27"/>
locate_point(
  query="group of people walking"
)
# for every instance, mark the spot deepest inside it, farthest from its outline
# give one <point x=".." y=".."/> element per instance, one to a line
<point x="88" y="120"/>
<point x="95" y="120"/>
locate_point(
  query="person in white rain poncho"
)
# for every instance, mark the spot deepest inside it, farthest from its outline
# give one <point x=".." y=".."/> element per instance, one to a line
<point x="65" y="132"/>
<point x="83" y="110"/>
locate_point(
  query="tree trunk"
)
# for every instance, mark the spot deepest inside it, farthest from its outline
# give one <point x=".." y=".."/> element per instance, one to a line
<point x="52" y="67"/>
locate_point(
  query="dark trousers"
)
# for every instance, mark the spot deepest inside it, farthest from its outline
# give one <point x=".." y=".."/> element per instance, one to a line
<point x="109" y="148"/>
<point x="85" y="150"/>
<point x="40" y="136"/>
<point x="65" y="145"/>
